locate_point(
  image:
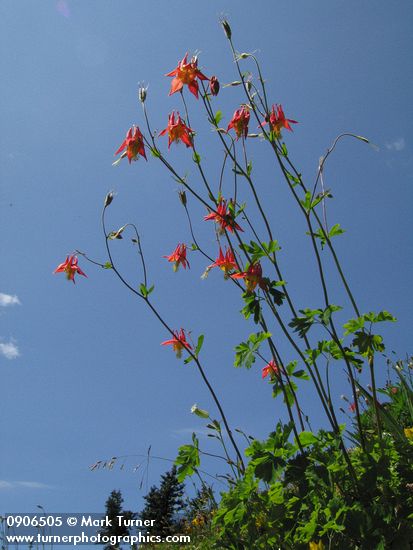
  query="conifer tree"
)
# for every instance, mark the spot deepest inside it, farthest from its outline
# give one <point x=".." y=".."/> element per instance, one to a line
<point x="163" y="504"/>
<point x="113" y="509"/>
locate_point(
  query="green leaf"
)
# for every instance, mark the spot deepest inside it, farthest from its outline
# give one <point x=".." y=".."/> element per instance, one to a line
<point x="307" y="439"/>
<point x="218" y="117"/>
<point x="245" y="352"/>
<point x="295" y="181"/>
<point x="196" y="157"/>
<point x="187" y="459"/>
<point x="145" y="291"/>
<point x="252" y="307"/>
<point x="301" y="374"/>
<point x="368" y="344"/>
<point x="256" y="251"/>
<point x="107" y="265"/>
<point x="249" y="168"/>
<point x="284" y="150"/>
<point x="155" y="153"/>
<point x="276" y="294"/>
<point x="320" y="234"/>
<point x="303" y="324"/>
<point x="306" y="202"/>
<point x="326" y="315"/>
<point x="336" y="230"/>
<point x="379" y="317"/>
<point x="353" y="325"/>
<point x="199" y="344"/>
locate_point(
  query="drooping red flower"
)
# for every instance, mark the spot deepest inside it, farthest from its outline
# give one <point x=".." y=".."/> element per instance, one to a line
<point x="223" y="217"/>
<point x="214" y="85"/>
<point x="239" y="122"/>
<point x="278" y="121"/>
<point x="177" y="131"/>
<point x="271" y="369"/>
<point x="252" y="277"/>
<point x="133" y="144"/>
<point x="225" y="262"/>
<point x="186" y="73"/>
<point x="352" y="407"/>
<point x="178" y="342"/>
<point x="70" y="267"/>
<point x="178" y="256"/>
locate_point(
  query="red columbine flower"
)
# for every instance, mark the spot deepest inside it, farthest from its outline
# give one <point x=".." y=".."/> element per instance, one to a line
<point x="239" y="122"/>
<point x="223" y="217"/>
<point x="133" y="144"/>
<point x="178" y="256"/>
<point x="70" y="267"/>
<point x="186" y="73"/>
<point x="252" y="277"/>
<point x="226" y="263"/>
<point x="177" y="130"/>
<point x="270" y="369"/>
<point x="278" y="121"/>
<point x="214" y="85"/>
<point x="178" y="342"/>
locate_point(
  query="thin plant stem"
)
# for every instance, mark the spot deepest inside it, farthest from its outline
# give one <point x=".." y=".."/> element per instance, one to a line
<point x="188" y="350"/>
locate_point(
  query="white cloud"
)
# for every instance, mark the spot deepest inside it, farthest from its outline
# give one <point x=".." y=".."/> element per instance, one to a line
<point x="8" y="300"/>
<point x="189" y="431"/>
<point x="397" y="145"/>
<point x="25" y="484"/>
<point x="5" y="484"/>
<point x="9" y="350"/>
<point x="32" y="484"/>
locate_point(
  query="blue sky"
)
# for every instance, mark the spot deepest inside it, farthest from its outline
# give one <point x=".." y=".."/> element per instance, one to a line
<point x="84" y="376"/>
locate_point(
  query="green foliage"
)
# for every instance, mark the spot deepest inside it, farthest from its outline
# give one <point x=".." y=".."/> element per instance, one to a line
<point x="188" y="459"/>
<point x="322" y="235"/>
<point x="246" y="351"/>
<point x="145" y="291"/>
<point x="288" y="500"/>
<point x="309" y="317"/>
<point x="257" y="251"/>
<point x="252" y="306"/>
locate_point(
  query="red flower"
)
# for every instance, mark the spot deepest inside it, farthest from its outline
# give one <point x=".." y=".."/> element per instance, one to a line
<point x="352" y="407"/>
<point x="177" y="131"/>
<point x="278" y="121"/>
<point x="223" y="217"/>
<point x="70" y="267"/>
<point x="186" y="73"/>
<point x="133" y="144"/>
<point x="226" y="263"/>
<point x="239" y="122"/>
<point x="252" y="277"/>
<point x="214" y="85"/>
<point x="178" y="256"/>
<point x="178" y="342"/>
<point x="270" y="369"/>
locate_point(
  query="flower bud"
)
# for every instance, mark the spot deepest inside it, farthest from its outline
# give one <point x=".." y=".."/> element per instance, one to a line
<point x="214" y="85"/>
<point x="108" y="199"/>
<point x="182" y="197"/>
<point x="227" y="28"/>
<point x="142" y="93"/>
<point x="199" y="412"/>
